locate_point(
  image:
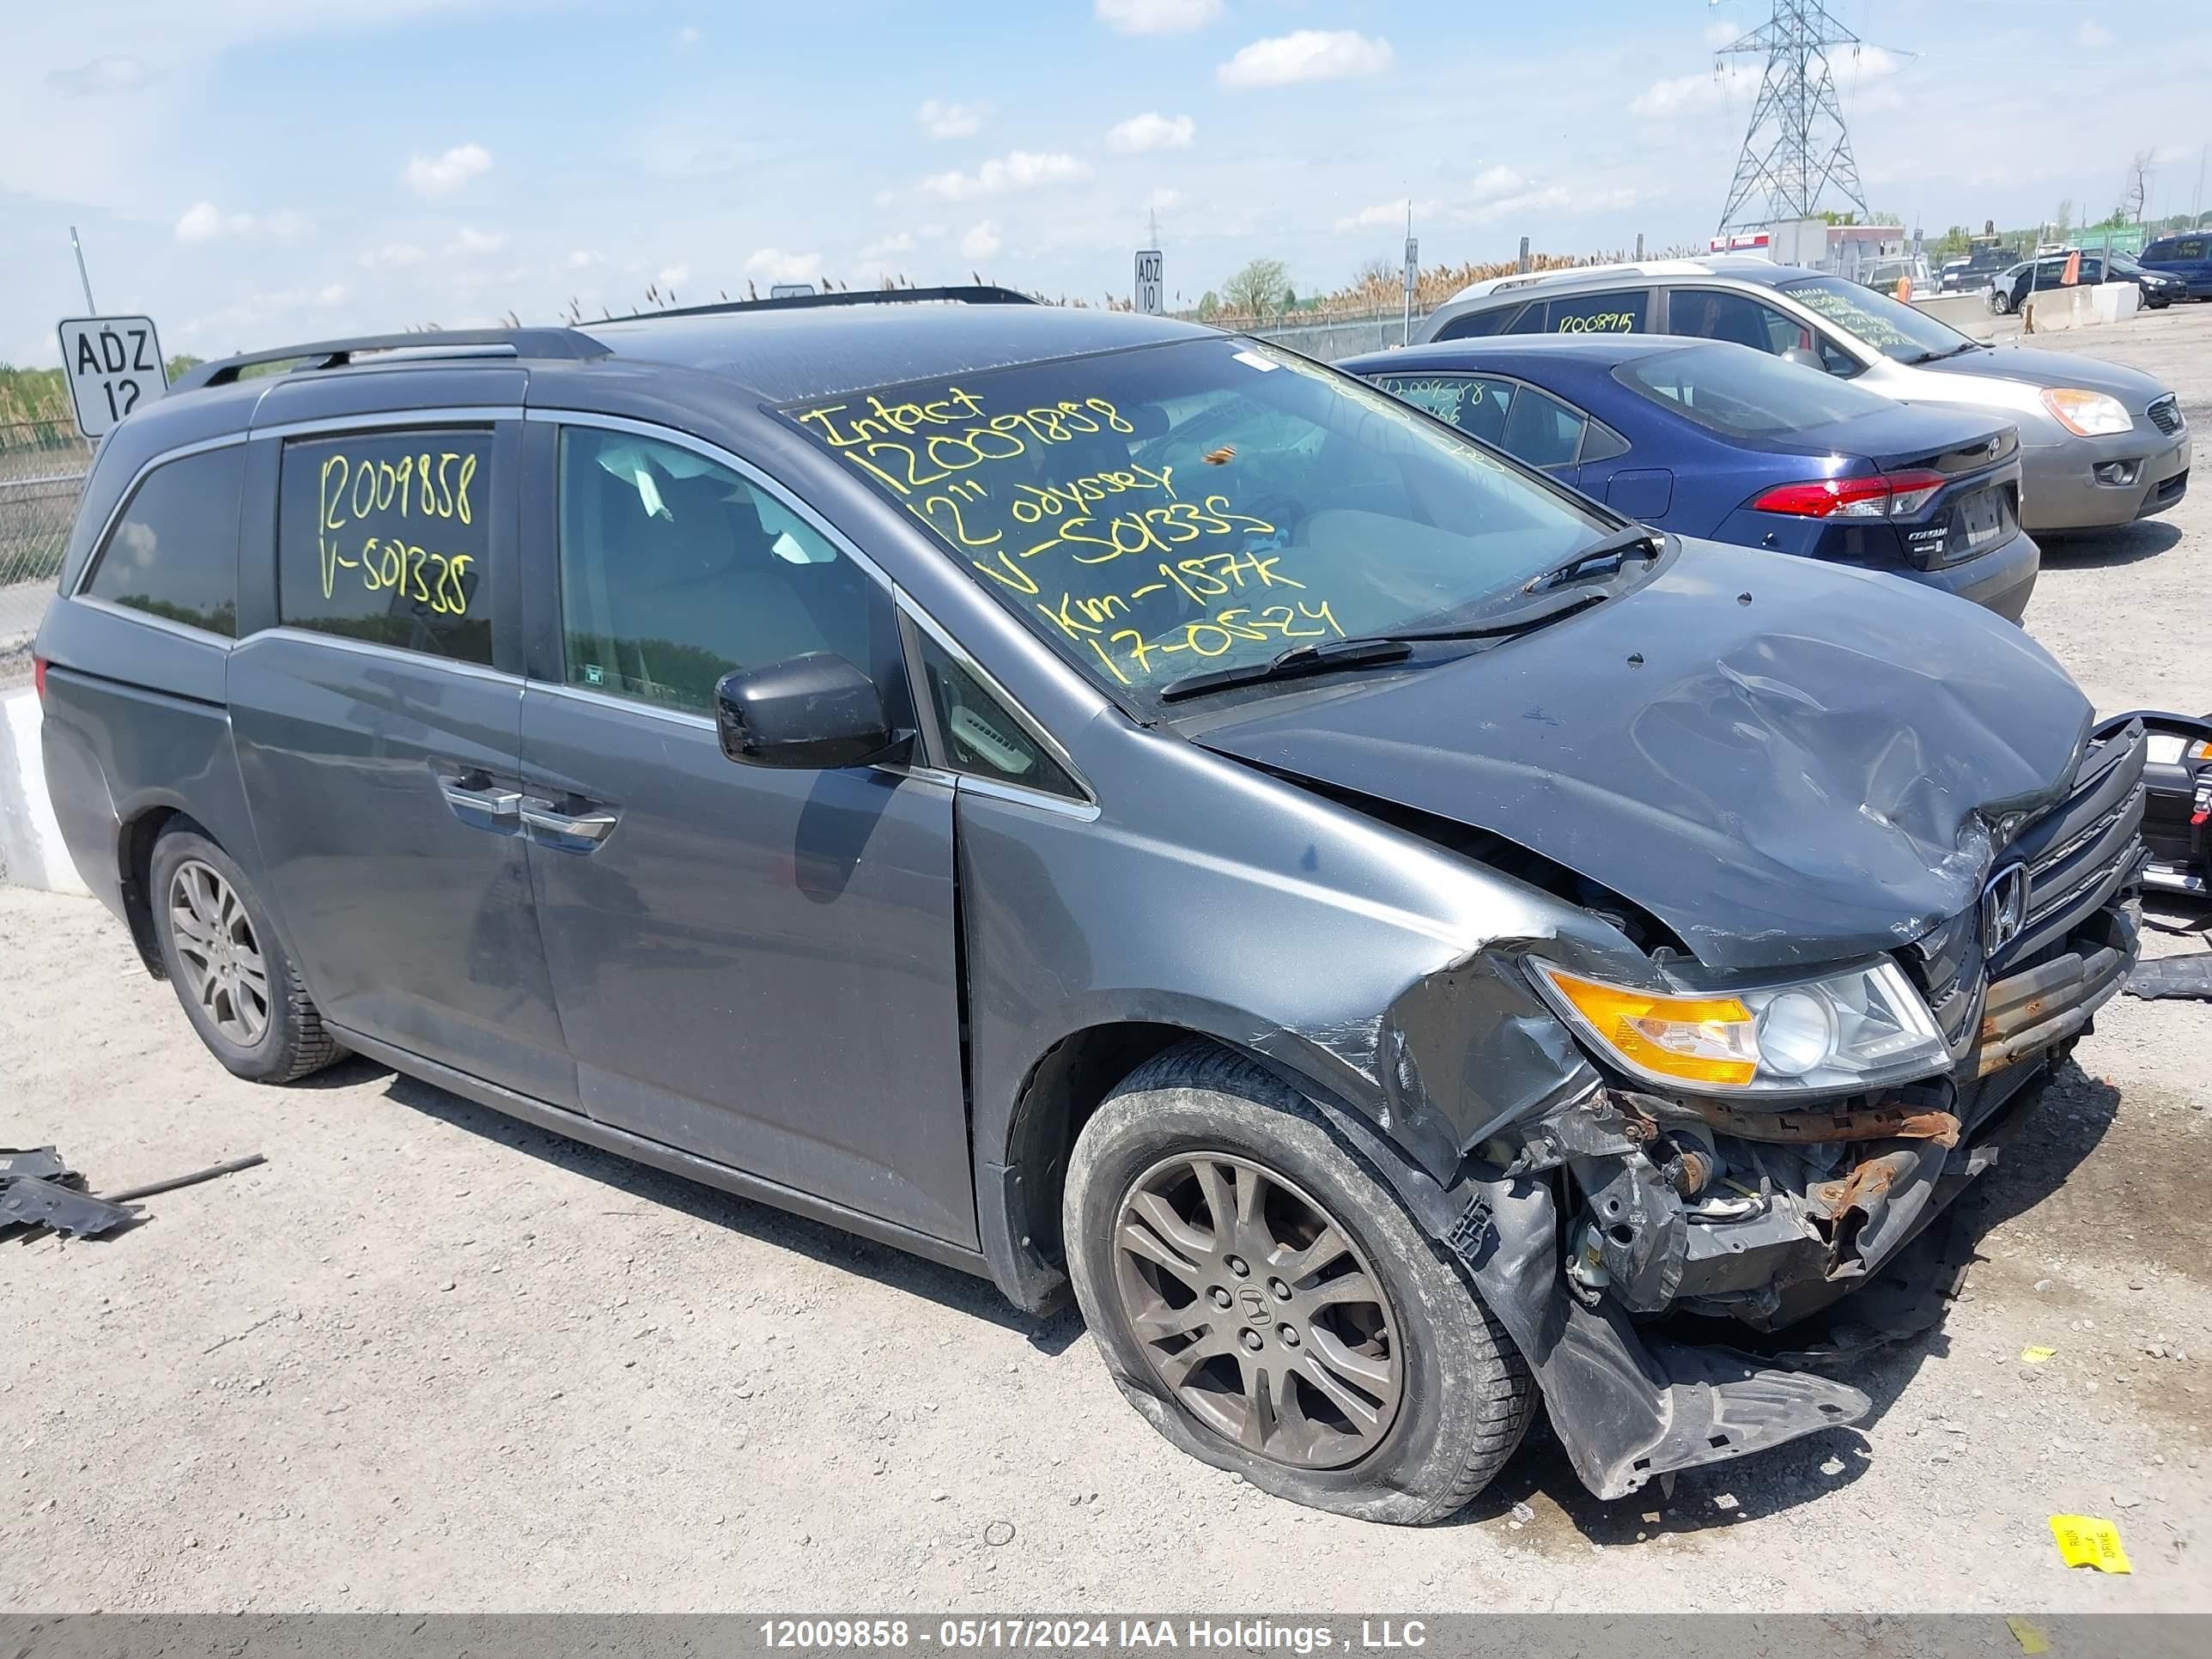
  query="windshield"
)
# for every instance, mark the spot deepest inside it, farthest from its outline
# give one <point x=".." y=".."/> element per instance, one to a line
<point x="1744" y="394"/>
<point x="1896" y="331"/>
<point x="1170" y="509"/>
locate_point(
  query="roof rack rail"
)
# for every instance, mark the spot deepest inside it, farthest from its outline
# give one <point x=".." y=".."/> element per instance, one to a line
<point x="981" y="294"/>
<point x="567" y="343"/>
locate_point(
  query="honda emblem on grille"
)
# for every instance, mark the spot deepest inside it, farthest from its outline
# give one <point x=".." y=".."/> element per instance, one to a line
<point x="2004" y="908"/>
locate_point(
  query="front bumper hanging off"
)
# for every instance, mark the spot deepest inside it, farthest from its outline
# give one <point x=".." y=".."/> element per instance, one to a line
<point x="1624" y="1208"/>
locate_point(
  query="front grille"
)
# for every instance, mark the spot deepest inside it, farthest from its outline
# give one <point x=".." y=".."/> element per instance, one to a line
<point x="2082" y="851"/>
<point x="2166" y="414"/>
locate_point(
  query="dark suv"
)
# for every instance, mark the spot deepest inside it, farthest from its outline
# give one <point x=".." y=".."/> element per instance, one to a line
<point x="1085" y="797"/>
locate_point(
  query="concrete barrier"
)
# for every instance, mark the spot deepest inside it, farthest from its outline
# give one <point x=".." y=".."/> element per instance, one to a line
<point x="31" y="850"/>
<point x="2054" y="310"/>
<point x="1967" y="313"/>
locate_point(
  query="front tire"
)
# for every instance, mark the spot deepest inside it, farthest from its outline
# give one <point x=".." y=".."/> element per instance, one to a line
<point x="231" y="973"/>
<point x="2000" y="301"/>
<point x="1267" y="1303"/>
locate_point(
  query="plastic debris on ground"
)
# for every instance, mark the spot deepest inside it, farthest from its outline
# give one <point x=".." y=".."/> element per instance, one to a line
<point x="38" y="1189"/>
<point x="2189" y="977"/>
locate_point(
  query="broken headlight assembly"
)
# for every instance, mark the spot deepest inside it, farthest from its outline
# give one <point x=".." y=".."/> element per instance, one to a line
<point x="1861" y="1028"/>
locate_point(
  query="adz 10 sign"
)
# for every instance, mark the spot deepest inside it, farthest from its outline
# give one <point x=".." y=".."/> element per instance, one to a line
<point x="113" y="364"/>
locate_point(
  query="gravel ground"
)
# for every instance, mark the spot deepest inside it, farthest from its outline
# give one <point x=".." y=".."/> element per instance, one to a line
<point x="429" y="1359"/>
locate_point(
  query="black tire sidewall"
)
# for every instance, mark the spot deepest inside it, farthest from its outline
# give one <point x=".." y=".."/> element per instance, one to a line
<point x="1448" y="1351"/>
<point x="271" y="1057"/>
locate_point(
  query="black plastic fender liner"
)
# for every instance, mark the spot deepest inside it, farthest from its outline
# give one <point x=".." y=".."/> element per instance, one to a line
<point x="1624" y="1411"/>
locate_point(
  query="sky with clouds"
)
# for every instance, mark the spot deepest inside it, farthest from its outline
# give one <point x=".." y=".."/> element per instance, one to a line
<point x="251" y="171"/>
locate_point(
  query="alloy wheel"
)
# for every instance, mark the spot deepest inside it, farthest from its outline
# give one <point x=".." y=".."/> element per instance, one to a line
<point x="1256" y="1311"/>
<point x="220" y="958"/>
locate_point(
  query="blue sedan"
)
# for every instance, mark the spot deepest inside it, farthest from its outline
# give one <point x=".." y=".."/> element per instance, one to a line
<point x="1709" y="439"/>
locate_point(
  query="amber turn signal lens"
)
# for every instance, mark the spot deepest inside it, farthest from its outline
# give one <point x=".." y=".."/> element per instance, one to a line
<point x="1697" y="1039"/>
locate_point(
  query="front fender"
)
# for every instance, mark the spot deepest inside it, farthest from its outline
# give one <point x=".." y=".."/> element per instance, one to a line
<point x="1377" y="971"/>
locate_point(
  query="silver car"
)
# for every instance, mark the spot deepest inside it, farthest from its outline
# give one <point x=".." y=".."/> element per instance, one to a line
<point x="2100" y="445"/>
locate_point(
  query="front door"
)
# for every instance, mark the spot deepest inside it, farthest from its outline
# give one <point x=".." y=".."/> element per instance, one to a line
<point x="756" y="965"/>
<point x="378" y="727"/>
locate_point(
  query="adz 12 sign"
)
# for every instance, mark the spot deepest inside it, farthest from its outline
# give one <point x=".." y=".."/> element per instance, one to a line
<point x="114" y="364"/>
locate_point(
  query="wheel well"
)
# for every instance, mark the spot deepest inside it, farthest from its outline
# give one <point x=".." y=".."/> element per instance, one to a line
<point x="135" y="860"/>
<point x="1068" y="1083"/>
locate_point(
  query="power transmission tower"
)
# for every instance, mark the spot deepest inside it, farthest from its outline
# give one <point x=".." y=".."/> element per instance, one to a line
<point x="1797" y="147"/>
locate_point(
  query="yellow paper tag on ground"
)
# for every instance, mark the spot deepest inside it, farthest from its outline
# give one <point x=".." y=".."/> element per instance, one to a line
<point x="2085" y="1541"/>
<point x="2037" y="1355"/>
<point x="2028" y="1634"/>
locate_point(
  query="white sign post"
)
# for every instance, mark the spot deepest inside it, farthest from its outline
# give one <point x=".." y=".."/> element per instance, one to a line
<point x="1149" y="288"/>
<point x="114" y="364"/>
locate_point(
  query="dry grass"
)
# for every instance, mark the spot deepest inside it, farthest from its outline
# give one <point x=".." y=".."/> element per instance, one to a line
<point x="1381" y="289"/>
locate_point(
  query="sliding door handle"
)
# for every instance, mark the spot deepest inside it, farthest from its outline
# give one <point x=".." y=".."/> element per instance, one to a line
<point x="489" y="804"/>
<point x="543" y="818"/>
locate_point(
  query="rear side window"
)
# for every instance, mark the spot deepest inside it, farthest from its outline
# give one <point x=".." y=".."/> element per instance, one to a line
<point x="386" y="537"/>
<point x="1622" y="311"/>
<point x="174" y="551"/>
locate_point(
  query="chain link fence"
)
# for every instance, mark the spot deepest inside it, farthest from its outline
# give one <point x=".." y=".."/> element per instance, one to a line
<point x="42" y="469"/>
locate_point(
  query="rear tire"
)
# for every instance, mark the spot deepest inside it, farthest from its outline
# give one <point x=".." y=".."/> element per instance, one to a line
<point x="231" y="975"/>
<point x="1315" y="1340"/>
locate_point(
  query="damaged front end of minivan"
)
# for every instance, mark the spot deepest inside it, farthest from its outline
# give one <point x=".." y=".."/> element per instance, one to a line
<point x="1600" y="1226"/>
<point x="1856" y="891"/>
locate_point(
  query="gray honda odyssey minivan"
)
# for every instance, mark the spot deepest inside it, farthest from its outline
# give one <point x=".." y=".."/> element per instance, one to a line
<point x="1101" y="802"/>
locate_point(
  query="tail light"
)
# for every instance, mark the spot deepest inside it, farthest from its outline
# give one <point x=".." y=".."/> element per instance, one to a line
<point x="1893" y="496"/>
<point x="38" y="676"/>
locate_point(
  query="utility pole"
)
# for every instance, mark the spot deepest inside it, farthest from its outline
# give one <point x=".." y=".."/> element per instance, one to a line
<point x="90" y="309"/>
<point x="1796" y="146"/>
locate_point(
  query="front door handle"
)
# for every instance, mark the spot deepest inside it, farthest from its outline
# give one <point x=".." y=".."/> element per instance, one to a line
<point x="542" y="819"/>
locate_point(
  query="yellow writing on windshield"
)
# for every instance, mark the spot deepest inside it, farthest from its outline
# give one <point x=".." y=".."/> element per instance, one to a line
<point x="1068" y="507"/>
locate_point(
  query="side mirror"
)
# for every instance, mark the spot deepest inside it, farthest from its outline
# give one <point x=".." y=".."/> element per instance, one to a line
<point x="1805" y="359"/>
<point x="815" y="712"/>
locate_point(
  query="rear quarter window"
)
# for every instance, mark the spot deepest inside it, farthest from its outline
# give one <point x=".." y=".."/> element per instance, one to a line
<point x="385" y="537"/>
<point x="1476" y="325"/>
<point x="172" y="552"/>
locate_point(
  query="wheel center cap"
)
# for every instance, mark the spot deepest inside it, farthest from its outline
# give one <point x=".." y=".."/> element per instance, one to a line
<point x="1253" y="1302"/>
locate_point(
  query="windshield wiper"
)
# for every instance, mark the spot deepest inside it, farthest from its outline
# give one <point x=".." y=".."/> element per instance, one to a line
<point x="1365" y="650"/>
<point x="1318" y="658"/>
<point x="1951" y="351"/>
<point x="1614" y="551"/>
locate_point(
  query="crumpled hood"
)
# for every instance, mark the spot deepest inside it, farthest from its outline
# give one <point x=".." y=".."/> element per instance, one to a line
<point x="1803" y="778"/>
<point x="2048" y="369"/>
